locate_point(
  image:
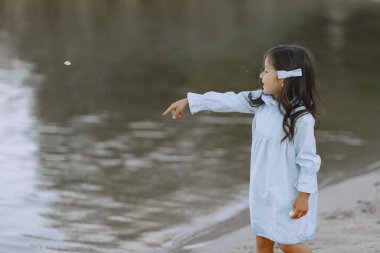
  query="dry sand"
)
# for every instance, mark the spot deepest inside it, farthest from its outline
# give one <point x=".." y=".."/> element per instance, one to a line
<point x="348" y="221"/>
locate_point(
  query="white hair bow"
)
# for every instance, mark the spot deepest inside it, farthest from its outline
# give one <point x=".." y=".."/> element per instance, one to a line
<point x="290" y="73"/>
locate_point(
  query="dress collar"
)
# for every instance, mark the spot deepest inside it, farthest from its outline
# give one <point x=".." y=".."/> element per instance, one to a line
<point x="269" y="99"/>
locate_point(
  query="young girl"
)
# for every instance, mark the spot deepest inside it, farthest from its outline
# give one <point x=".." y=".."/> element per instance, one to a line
<point x="283" y="192"/>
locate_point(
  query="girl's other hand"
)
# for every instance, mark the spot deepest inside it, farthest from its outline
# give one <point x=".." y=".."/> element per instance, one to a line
<point x="301" y="205"/>
<point x="177" y="108"/>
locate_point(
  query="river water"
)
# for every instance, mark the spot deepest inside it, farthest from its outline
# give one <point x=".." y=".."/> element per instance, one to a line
<point x="88" y="162"/>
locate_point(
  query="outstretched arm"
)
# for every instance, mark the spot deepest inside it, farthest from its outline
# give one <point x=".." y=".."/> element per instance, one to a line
<point x="214" y="101"/>
<point x="221" y="102"/>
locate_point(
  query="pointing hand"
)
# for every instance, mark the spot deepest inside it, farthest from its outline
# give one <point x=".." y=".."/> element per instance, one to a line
<point x="177" y="108"/>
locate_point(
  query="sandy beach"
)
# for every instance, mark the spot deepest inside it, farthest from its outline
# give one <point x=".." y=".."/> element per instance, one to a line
<point x="348" y="221"/>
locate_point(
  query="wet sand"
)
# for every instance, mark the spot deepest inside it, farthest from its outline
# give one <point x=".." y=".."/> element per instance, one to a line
<point x="348" y="221"/>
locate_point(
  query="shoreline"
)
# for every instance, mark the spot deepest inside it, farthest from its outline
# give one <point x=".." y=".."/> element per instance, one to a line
<point x="348" y="221"/>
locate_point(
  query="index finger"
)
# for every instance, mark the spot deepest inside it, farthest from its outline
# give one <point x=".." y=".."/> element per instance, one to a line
<point x="167" y="110"/>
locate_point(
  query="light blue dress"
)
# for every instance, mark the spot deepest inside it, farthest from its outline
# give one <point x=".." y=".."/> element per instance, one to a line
<point x="278" y="171"/>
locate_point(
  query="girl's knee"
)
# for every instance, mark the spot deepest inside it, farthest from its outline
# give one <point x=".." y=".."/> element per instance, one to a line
<point x="264" y="242"/>
<point x="297" y="247"/>
<point x="284" y="247"/>
<point x="288" y="247"/>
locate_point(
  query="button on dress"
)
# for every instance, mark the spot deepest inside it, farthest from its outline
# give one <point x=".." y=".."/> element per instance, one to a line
<point x="278" y="171"/>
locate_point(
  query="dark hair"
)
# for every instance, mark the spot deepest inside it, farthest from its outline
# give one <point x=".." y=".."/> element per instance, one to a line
<point x="296" y="91"/>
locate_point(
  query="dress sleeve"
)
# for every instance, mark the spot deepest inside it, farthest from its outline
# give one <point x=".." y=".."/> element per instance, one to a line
<point x="307" y="160"/>
<point x="221" y="102"/>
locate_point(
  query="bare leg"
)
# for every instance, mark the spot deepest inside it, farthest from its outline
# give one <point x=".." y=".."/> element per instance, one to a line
<point x="294" y="248"/>
<point x="264" y="245"/>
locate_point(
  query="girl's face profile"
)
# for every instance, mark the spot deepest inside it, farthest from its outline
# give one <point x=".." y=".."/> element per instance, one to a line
<point x="268" y="76"/>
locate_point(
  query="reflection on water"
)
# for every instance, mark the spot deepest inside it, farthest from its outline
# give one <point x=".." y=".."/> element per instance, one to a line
<point x="116" y="191"/>
<point x="88" y="163"/>
<point x="21" y="202"/>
